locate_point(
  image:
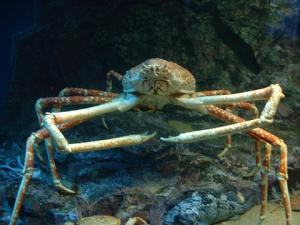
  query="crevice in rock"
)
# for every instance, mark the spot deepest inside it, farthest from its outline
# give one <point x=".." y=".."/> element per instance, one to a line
<point x="242" y="50"/>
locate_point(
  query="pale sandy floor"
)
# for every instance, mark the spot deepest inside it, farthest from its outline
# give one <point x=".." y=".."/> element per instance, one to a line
<point x="275" y="216"/>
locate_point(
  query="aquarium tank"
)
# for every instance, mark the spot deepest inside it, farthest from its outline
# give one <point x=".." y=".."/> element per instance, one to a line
<point x="153" y="112"/>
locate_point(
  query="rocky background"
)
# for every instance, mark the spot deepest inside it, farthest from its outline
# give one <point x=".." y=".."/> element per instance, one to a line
<point x="235" y="45"/>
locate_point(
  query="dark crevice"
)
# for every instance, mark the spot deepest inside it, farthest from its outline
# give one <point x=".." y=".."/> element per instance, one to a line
<point x="242" y="50"/>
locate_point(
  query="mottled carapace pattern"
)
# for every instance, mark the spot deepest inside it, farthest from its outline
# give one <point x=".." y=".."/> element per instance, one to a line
<point x="158" y="76"/>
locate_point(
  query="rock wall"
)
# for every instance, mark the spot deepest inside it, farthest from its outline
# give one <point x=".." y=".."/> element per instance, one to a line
<point x="225" y="44"/>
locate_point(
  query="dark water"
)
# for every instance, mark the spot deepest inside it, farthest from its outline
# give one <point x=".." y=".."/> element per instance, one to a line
<point x="16" y="16"/>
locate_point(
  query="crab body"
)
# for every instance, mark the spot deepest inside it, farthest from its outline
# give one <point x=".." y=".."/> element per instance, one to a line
<point x="157" y="79"/>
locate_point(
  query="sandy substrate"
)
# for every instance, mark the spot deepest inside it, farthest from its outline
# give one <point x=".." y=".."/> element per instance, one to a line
<point x="275" y="216"/>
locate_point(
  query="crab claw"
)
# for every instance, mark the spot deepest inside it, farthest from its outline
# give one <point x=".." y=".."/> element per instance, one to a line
<point x="146" y="136"/>
<point x="175" y="139"/>
<point x="62" y="189"/>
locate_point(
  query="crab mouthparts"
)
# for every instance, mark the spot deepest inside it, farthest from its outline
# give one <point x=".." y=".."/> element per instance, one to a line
<point x="156" y="86"/>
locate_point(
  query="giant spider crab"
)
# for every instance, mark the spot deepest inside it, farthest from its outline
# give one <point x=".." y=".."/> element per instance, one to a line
<point x="156" y="82"/>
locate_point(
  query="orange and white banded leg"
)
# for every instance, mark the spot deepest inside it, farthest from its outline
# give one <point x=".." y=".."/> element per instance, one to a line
<point x="258" y="160"/>
<point x="233" y="105"/>
<point x="123" y="103"/>
<point x="67" y="92"/>
<point x="272" y="94"/>
<point x="28" y="168"/>
<point x="267" y="137"/>
<point x="245" y="106"/>
<point x="282" y="174"/>
<point x="43" y="103"/>
<point x="57" y="102"/>
<point x="265" y="180"/>
<point x="229" y="106"/>
<point x="112" y="76"/>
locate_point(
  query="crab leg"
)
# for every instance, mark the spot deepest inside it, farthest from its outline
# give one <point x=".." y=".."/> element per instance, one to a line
<point x="272" y="93"/>
<point x="123" y="103"/>
<point x="84" y="92"/>
<point x="67" y="92"/>
<point x="264" y="185"/>
<point x="246" y="106"/>
<point x="57" y="102"/>
<point x="240" y="105"/>
<point x="112" y="76"/>
<point x="43" y="103"/>
<point x="258" y="165"/>
<point x="28" y="169"/>
<point x="261" y="134"/>
<point x="55" y="176"/>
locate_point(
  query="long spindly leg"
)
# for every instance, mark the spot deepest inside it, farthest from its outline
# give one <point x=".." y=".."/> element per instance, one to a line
<point x="263" y="135"/>
<point x="239" y="105"/>
<point x="55" y="175"/>
<point x="92" y="96"/>
<point x="67" y="92"/>
<point x="282" y="174"/>
<point x="229" y="106"/>
<point x="112" y="76"/>
<point x="27" y="175"/>
<point x="123" y="103"/>
<point x="264" y="184"/>
<point x="282" y="177"/>
<point x="28" y="168"/>
<point x="273" y="94"/>
<point x="55" y="101"/>
<point x="245" y="106"/>
<point x="258" y="164"/>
